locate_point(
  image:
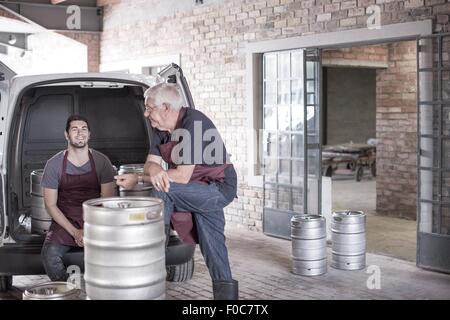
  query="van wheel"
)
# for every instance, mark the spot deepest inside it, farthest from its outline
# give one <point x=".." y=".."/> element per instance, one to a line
<point x="5" y="283"/>
<point x="180" y="273"/>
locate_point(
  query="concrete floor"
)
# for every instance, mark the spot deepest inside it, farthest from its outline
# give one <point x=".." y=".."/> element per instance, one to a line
<point x="385" y="235"/>
<point x="262" y="265"/>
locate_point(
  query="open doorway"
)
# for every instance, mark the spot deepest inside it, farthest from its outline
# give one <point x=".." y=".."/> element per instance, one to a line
<point x="369" y="123"/>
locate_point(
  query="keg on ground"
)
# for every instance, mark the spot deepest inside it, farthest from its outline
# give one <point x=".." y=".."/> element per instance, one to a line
<point x="309" y="245"/>
<point x="348" y="240"/>
<point x="124" y="248"/>
<point x="40" y="219"/>
<point x="52" y="291"/>
<point x="140" y="190"/>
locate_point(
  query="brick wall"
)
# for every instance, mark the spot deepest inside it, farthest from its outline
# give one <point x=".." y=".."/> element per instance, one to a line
<point x="210" y="39"/>
<point x="92" y="41"/>
<point x="366" y="56"/>
<point x="396" y="127"/>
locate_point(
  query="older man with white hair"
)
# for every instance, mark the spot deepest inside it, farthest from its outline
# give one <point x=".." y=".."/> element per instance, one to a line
<point x="200" y="178"/>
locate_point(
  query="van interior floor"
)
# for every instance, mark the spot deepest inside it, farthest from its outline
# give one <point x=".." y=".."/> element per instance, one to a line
<point x="386" y="235"/>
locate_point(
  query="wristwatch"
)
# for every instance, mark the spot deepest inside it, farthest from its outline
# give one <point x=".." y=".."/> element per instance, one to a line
<point x="140" y="179"/>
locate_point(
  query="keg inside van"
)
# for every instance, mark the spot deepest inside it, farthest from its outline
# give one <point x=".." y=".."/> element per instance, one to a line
<point x="40" y="219"/>
<point x="139" y="190"/>
<point x="124" y="253"/>
<point x="52" y="291"/>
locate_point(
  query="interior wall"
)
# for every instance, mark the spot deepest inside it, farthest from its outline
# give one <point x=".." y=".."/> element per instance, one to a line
<point x="397" y="132"/>
<point x="350" y="105"/>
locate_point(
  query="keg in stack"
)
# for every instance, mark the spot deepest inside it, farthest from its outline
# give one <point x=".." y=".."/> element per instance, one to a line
<point x="309" y="245"/>
<point x="40" y="219"/>
<point x="52" y="291"/>
<point x="348" y="240"/>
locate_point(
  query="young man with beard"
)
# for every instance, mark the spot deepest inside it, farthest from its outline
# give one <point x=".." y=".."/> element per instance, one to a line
<point x="71" y="177"/>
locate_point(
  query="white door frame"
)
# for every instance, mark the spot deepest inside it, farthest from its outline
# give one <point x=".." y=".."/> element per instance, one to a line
<point x="357" y="37"/>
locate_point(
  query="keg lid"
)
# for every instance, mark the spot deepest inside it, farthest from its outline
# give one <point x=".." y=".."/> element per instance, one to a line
<point x="139" y="187"/>
<point x="349" y="216"/>
<point x="51" y="290"/>
<point x="297" y="217"/>
<point x="312" y="220"/>
<point x="116" y="211"/>
<point x="307" y="217"/>
<point x="349" y="213"/>
<point x="133" y="167"/>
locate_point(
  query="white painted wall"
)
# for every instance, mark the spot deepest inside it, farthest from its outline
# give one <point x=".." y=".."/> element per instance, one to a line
<point x="327" y="203"/>
<point x="135" y="65"/>
<point x="49" y="52"/>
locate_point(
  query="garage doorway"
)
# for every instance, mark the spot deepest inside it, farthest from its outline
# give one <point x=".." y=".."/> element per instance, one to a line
<point x="369" y="141"/>
<point x="432" y="205"/>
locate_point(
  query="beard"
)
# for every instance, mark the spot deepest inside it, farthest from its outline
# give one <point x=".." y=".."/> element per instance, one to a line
<point x="79" y="144"/>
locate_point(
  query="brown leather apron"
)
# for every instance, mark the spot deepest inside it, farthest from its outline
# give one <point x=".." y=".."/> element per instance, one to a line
<point x="73" y="190"/>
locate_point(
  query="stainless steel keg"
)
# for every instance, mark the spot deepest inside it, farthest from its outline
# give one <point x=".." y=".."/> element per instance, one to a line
<point x="309" y="245"/>
<point x="40" y="219"/>
<point x="52" y="291"/>
<point x="348" y="240"/>
<point x="140" y="190"/>
<point x="124" y="251"/>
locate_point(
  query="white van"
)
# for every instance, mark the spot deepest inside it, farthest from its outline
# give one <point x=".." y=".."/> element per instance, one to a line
<point x="33" y="112"/>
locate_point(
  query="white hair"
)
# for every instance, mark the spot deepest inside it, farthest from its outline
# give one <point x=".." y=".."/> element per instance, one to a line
<point x="167" y="93"/>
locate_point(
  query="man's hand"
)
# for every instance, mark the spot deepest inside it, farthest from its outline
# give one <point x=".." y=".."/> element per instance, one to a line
<point x="159" y="178"/>
<point x="78" y="236"/>
<point x="127" y="181"/>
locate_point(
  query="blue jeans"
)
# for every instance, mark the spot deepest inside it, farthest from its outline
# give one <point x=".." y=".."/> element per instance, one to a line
<point x="53" y="260"/>
<point x="206" y="203"/>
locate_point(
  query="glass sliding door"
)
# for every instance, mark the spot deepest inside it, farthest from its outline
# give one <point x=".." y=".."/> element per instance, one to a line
<point x="291" y="136"/>
<point x="433" y="105"/>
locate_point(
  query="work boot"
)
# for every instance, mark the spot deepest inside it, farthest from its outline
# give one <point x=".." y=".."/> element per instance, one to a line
<point x="225" y="290"/>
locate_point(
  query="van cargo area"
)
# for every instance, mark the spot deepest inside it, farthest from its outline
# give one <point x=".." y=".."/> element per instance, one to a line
<point x="34" y="111"/>
<point x="118" y="129"/>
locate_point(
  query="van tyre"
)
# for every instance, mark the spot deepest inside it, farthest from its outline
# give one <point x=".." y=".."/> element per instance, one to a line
<point x="5" y="283"/>
<point x="181" y="272"/>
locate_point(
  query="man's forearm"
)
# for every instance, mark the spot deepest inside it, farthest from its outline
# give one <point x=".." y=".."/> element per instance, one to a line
<point x="151" y="168"/>
<point x="178" y="176"/>
<point x="60" y="219"/>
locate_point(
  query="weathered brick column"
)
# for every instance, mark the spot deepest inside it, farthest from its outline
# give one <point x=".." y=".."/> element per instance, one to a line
<point x="396" y="127"/>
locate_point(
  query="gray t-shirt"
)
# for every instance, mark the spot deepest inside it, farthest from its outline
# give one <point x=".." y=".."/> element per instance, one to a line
<point x="53" y="169"/>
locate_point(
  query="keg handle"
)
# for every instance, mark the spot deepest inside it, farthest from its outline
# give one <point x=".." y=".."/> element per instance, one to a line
<point x="124" y="205"/>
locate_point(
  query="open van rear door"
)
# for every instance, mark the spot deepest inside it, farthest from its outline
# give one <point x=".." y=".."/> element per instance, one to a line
<point x="6" y="74"/>
<point x="172" y="73"/>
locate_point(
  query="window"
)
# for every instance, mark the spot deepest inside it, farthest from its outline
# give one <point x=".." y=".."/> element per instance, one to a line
<point x="282" y="111"/>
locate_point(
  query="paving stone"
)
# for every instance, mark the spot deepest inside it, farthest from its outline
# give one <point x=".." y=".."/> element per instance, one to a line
<point x="262" y="265"/>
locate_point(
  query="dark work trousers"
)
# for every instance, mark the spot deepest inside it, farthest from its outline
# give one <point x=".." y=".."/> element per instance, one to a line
<point x="206" y="203"/>
<point x="53" y="259"/>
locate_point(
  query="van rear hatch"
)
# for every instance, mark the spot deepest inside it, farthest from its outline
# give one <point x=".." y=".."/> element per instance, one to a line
<point x="37" y="124"/>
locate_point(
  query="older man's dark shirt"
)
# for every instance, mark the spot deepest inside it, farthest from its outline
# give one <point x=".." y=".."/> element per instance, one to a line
<point x="220" y="170"/>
